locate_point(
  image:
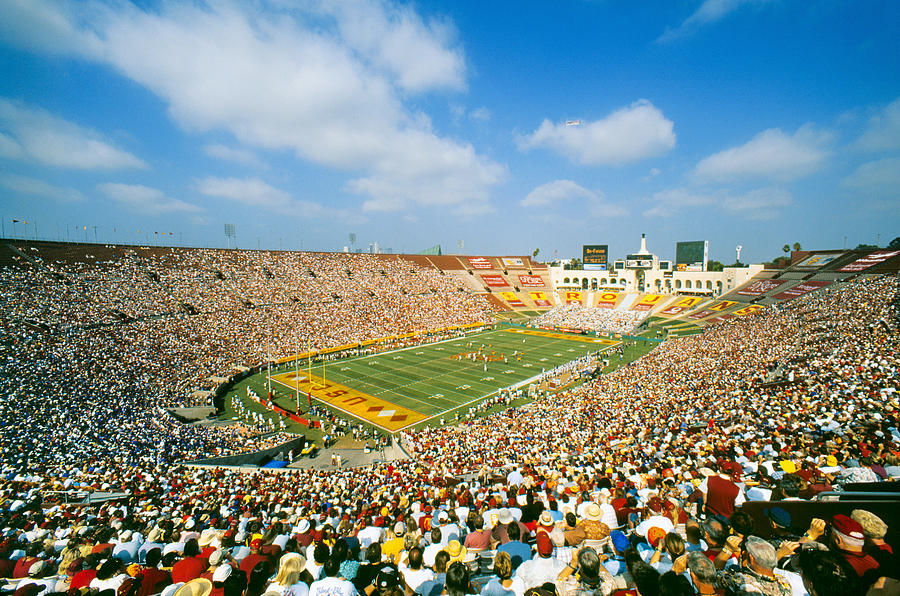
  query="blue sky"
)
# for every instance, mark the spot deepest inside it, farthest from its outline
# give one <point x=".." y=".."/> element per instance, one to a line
<point x="509" y="127"/>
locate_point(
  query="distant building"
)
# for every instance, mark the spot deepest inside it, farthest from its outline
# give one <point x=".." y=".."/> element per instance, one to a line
<point x="645" y="272"/>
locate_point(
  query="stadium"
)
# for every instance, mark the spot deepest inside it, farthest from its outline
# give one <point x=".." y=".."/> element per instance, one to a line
<point x="396" y="298"/>
<point x="312" y="394"/>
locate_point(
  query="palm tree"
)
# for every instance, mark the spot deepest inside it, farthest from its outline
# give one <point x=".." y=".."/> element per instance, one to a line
<point x="796" y="246"/>
<point x="786" y="248"/>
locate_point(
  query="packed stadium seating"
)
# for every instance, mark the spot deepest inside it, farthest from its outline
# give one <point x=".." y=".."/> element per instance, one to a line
<point x="782" y="404"/>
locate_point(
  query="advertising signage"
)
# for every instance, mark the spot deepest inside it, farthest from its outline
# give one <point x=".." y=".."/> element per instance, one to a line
<point x="594" y="256"/>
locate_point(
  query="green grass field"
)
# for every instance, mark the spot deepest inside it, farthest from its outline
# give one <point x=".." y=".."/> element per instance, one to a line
<point x="428" y="381"/>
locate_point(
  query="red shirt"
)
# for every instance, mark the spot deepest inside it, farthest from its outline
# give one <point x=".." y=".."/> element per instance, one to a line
<point x="187" y="569"/>
<point x="83" y="578"/>
<point x="153" y="581"/>
<point x="720" y="495"/>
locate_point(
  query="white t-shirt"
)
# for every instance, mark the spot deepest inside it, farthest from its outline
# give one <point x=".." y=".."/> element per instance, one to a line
<point x="332" y="586"/>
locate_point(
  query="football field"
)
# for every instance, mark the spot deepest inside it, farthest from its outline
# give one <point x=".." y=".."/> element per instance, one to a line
<point x="397" y="389"/>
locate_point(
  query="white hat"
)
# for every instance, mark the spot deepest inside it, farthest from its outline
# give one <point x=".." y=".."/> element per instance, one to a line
<point x="222" y="572"/>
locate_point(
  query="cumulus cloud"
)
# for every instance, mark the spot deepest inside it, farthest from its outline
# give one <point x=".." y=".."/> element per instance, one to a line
<point x="146" y="200"/>
<point x="556" y="191"/>
<point x="708" y="12"/>
<point x="880" y="176"/>
<point x="629" y="134"/>
<point x="257" y="193"/>
<point x="232" y="154"/>
<point x="312" y="78"/>
<point x="419" y="55"/>
<point x="770" y="154"/>
<point x="761" y="204"/>
<point x="34" y="135"/>
<point x="33" y="187"/>
<point x="883" y="130"/>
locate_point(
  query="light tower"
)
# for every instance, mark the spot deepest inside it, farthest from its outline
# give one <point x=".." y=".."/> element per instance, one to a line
<point x="738" y="249"/>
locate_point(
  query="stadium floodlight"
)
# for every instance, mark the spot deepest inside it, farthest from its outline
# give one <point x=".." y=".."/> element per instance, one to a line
<point x="738" y="249"/>
<point x="229" y="235"/>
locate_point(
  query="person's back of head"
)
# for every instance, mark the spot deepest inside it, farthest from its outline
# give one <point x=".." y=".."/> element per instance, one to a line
<point x="762" y="554"/>
<point x="741" y="522"/>
<point x="191" y="548"/>
<point x="674" y="545"/>
<point x="340" y="550"/>
<point x="646" y="578"/>
<point x="513" y="531"/>
<point x="502" y="565"/>
<point x="436" y="535"/>
<point x="570" y="520"/>
<point x="440" y="561"/>
<point x="588" y="563"/>
<point x="826" y="573"/>
<point x="457" y="580"/>
<point x="702" y="568"/>
<point x="716" y="532"/>
<point x="692" y="531"/>
<point x="674" y="584"/>
<point x="478" y="523"/>
<point x="373" y="553"/>
<point x="321" y="553"/>
<point x="259" y="576"/>
<point x="415" y="558"/>
<point x="153" y="557"/>
<point x="332" y="567"/>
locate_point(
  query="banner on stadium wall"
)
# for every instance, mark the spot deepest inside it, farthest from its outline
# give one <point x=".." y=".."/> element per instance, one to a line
<point x="701" y="314"/>
<point x="513" y="262"/>
<point x="648" y="302"/>
<point x="749" y="310"/>
<point x="870" y="260"/>
<point x="540" y="298"/>
<point x="760" y="287"/>
<point x="573" y="297"/>
<point x="681" y="305"/>
<point x="722" y="305"/>
<point x="495" y="281"/>
<point x="800" y="289"/>
<point x="512" y="299"/>
<point x="480" y="262"/>
<point x="531" y="281"/>
<point x="816" y="261"/>
<point x="606" y="300"/>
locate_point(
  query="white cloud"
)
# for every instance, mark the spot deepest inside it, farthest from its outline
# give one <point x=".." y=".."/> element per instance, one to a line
<point x="879" y="176"/>
<point x="146" y="200"/>
<point x="35" y="135"/>
<point x="38" y="188"/>
<point x="311" y="78"/>
<point x="883" y="130"/>
<point x="249" y="191"/>
<point x="257" y="193"/>
<point x="558" y="190"/>
<point x="240" y="156"/>
<point x="628" y="134"/>
<point x="770" y="154"/>
<point x="481" y="114"/>
<point x="708" y="12"/>
<point x="394" y="38"/>
<point x="760" y="203"/>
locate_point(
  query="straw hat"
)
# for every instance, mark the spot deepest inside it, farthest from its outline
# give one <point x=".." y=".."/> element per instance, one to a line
<point x="195" y="587"/>
<point x="593" y="512"/>
<point x="456" y="551"/>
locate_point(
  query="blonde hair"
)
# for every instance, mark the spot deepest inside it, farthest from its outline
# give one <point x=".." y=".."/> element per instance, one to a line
<point x="290" y="567"/>
<point x="502" y="565"/>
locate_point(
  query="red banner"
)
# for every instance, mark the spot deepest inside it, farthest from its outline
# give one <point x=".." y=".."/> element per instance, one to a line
<point x="701" y="314"/>
<point x="495" y="281"/>
<point x="870" y="260"/>
<point x="531" y="281"/>
<point x="800" y="289"/>
<point x="540" y="298"/>
<point x="480" y="263"/>
<point x="758" y="288"/>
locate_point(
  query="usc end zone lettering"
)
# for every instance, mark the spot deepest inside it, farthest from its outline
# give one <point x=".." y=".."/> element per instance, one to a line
<point x="681" y="306"/>
<point x="573" y="298"/>
<point x="749" y="310"/>
<point x="367" y="407"/>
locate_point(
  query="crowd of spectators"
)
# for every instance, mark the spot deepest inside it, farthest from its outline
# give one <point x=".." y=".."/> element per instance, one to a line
<point x="591" y="318"/>
<point x="92" y="349"/>
<point x="630" y="483"/>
